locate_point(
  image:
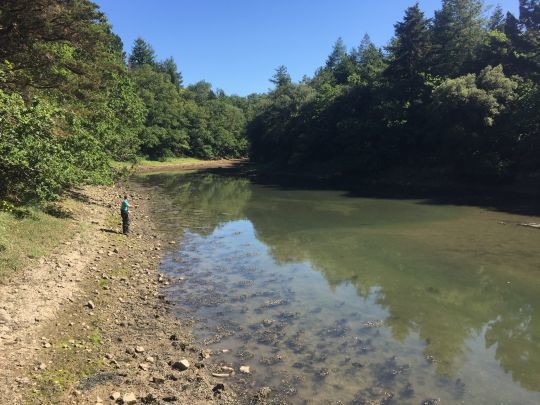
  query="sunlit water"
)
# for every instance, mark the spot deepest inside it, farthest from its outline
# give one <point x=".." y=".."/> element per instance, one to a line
<point x="330" y="297"/>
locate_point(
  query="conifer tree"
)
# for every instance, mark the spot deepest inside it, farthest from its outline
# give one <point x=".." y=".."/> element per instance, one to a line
<point x="409" y="51"/>
<point x="496" y="21"/>
<point x="142" y="54"/>
<point x="458" y="31"/>
<point x="169" y="67"/>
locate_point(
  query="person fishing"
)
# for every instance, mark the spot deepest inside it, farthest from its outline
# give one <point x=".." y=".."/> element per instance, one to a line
<point x="124" y="212"/>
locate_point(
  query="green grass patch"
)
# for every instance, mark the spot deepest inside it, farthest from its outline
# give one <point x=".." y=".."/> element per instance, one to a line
<point x="23" y="238"/>
<point x="95" y="338"/>
<point x="157" y="163"/>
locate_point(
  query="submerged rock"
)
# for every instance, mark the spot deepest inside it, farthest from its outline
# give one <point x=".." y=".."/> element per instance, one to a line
<point x="244" y="369"/>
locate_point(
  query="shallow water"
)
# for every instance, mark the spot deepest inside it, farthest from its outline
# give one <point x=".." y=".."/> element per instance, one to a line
<point x="330" y="297"/>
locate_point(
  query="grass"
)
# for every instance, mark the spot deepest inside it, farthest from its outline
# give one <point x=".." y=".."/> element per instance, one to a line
<point x="30" y="237"/>
<point x="156" y="163"/>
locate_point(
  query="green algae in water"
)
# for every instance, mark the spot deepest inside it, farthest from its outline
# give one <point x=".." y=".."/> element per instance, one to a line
<point x="331" y="297"/>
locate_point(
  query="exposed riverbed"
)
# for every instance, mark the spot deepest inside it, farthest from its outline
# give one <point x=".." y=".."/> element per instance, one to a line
<point x="331" y="296"/>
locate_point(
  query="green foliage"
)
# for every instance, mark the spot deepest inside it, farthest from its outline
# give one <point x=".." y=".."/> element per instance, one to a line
<point x="36" y="163"/>
<point x="185" y="122"/>
<point x="141" y="54"/>
<point x="164" y="132"/>
<point x="168" y="66"/>
<point x="457" y="97"/>
<point x="458" y="31"/>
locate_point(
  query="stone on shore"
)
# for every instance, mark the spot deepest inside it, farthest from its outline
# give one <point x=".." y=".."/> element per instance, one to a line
<point x="181" y="365"/>
<point x="129" y="398"/>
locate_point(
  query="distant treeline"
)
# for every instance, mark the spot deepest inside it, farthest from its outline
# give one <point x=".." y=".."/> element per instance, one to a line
<point x="456" y="96"/>
<point x="71" y="101"/>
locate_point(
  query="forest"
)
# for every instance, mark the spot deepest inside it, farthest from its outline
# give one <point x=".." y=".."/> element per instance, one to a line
<point x="456" y="96"/>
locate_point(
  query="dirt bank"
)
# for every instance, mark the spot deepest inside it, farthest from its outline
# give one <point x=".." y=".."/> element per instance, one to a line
<point x="88" y="325"/>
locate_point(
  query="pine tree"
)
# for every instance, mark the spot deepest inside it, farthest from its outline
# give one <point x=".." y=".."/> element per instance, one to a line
<point x="141" y="54"/>
<point x="496" y="21"/>
<point x="281" y="78"/>
<point x="409" y="51"/>
<point x="169" y="67"/>
<point x="338" y="54"/>
<point x="458" y="31"/>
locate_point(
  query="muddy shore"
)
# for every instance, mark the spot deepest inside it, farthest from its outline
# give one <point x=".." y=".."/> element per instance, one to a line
<point x="89" y="324"/>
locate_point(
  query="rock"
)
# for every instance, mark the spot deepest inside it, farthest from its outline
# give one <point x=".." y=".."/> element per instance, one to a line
<point x="227" y="369"/>
<point x="264" y="392"/>
<point x="244" y="369"/>
<point x="42" y="366"/>
<point x="158" y="380"/>
<point x="531" y="225"/>
<point x="150" y="359"/>
<point x="181" y="365"/>
<point x="115" y="250"/>
<point x="205" y="354"/>
<point x="4" y="316"/>
<point x="139" y="349"/>
<point x="149" y="399"/>
<point x="143" y="366"/>
<point x="90" y="305"/>
<point x="221" y="375"/>
<point x="218" y="388"/>
<point x="115" y="396"/>
<point x="129" y="398"/>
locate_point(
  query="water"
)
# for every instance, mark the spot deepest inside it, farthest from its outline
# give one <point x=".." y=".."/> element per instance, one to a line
<point x="331" y="296"/>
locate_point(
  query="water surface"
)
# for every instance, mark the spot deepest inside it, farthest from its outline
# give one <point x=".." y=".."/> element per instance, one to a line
<point x="332" y="298"/>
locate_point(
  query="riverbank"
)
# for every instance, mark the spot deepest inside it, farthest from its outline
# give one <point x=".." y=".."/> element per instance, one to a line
<point x="147" y="166"/>
<point x="87" y="324"/>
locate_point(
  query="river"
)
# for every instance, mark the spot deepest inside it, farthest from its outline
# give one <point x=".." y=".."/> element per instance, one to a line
<point x="333" y="296"/>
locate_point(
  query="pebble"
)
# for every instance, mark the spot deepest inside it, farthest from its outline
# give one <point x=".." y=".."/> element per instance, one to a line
<point x="139" y="349"/>
<point x="143" y="366"/>
<point x="115" y="396"/>
<point x="4" y="316"/>
<point x="227" y="369"/>
<point x="129" y="398"/>
<point x="181" y="365"/>
<point x="264" y="392"/>
<point x="244" y="369"/>
<point x="221" y="375"/>
<point x="90" y="305"/>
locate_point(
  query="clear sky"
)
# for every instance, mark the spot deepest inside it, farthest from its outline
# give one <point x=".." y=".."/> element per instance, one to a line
<point x="237" y="44"/>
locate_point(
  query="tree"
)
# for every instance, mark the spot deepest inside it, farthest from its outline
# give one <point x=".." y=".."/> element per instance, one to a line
<point x="338" y="54"/>
<point x="458" y="31"/>
<point x="369" y="63"/>
<point x="141" y="54"/>
<point x="496" y="21"/>
<point x="281" y="78"/>
<point x="466" y="108"/>
<point x="165" y="131"/>
<point x="168" y="66"/>
<point x="409" y="52"/>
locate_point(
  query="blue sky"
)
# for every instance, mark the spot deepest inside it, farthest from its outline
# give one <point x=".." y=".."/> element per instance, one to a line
<point x="237" y="44"/>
